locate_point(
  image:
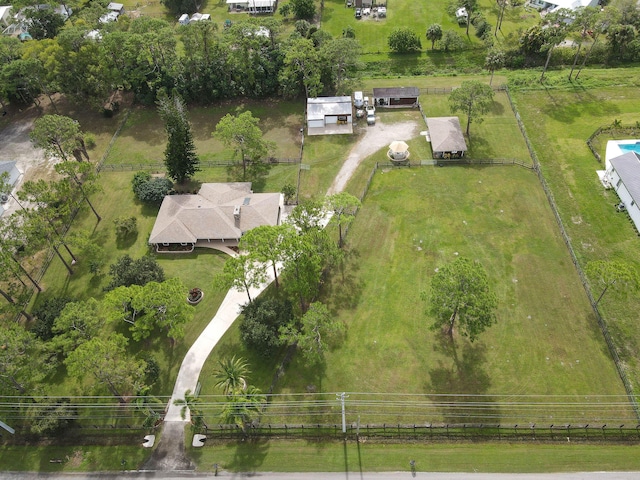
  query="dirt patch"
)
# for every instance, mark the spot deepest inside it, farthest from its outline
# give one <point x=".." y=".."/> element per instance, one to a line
<point x="376" y="137"/>
<point x="16" y="145"/>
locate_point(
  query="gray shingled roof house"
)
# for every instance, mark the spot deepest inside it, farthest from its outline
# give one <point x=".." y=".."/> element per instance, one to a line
<point x="624" y="175"/>
<point x="218" y="215"/>
<point x="447" y="140"/>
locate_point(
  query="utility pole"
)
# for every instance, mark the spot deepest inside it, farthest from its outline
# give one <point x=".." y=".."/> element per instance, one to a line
<point x="342" y="396"/>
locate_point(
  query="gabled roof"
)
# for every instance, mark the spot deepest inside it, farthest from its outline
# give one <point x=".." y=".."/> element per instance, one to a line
<point x="219" y="211"/>
<point x="446" y="134"/>
<point x="628" y="168"/>
<point x="396" y="92"/>
<point x="319" y="107"/>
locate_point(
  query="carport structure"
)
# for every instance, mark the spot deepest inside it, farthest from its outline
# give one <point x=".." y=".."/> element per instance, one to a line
<point x="396" y="97"/>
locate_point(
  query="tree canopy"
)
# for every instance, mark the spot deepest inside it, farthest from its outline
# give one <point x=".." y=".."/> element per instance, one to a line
<point x="404" y="40"/>
<point x="473" y="99"/>
<point x="460" y="292"/>
<point x="180" y="154"/>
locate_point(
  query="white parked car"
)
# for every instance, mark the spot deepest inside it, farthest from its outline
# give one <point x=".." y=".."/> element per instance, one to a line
<point x="382" y="12"/>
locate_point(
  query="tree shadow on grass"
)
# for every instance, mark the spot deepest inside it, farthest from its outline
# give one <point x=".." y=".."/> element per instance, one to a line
<point x="463" y="380"/>
<point x="249" y="455"/>
<point x="569" y="110"/>
<point x="345" y="286"/>
<point x="125" y="243"/>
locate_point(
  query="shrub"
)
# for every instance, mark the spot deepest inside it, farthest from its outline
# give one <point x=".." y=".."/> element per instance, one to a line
<point x="150" y="190"/>
<point x="403" y="40"/>
<point x="262" y="320"/>
<point x="125" y="226"/>
<point x="90" y="140"/>
<point x="483" y="29"/>
<point x="127" y="271"/>
<point x="289" y="191"/>
<point x="45" y="314"/>
<point x="451" y="41"/>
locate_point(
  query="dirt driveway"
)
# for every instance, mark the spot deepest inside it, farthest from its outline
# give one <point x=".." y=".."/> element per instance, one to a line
<point x="376" y="137"/>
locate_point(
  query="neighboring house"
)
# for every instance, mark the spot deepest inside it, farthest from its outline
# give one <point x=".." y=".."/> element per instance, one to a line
<point x="447" y="140"/>
<point x="199" y="17"/>
<point x="397" y="97"/>
<point x="5" y="15"/>
<point x="116" y="7"/>
<point x="217" y="216"/>
<point x="329" y="115"/>
<point x="109" y="17"/>
<point x="551" y="5"/>
<point x="10" y="167"/>
<point x="253" y="6"/>
<point x="624" y="176"/>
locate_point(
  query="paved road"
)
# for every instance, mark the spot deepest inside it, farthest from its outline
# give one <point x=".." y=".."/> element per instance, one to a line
<point x="327" y="476"/>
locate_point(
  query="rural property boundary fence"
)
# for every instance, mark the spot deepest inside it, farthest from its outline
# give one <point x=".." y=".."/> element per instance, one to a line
<point x="433" y="432"/>
<point x="583" y="278"/>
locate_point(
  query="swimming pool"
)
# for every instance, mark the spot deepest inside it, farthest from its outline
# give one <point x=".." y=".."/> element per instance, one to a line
<point x="629" y="147"/>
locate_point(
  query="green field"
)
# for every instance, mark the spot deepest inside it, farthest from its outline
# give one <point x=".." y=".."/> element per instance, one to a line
<point x="558" y="123"/>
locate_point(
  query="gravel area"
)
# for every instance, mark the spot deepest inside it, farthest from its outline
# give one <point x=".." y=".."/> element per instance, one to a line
<point x="376" y="137"/>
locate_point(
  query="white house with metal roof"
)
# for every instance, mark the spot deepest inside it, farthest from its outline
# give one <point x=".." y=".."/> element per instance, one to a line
<point x="329" y="115"/>
<point x="217" y="216"/>
<point x="623" y="174"/>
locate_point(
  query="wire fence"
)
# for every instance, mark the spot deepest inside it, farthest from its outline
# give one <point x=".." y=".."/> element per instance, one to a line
<point x="381" y="415"/>
<point x="594" y="433"/>
<point x="159" y="166"/>
<point x="583" y="278"/>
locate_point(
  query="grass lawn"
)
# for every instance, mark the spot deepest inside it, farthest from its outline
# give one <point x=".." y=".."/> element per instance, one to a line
<point x="558" y="123"/>
<point x="546" y="341"/>
<point x="143" y="139"/>
<point x="292" y="456"/>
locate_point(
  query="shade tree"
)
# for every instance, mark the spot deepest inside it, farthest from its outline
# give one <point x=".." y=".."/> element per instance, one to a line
<point x="106" y="361"/>
<point x="344" y="207"/>
<point x="242" y="133"/>
<point x="621" y="276"/>
<point x="404" y="40"/>
<point x="461" y="295"/>
<point x="318" y="331"/>
<point x="241" y="272"/>
<point x="24" y="361"/>
<point x="267" y="244"/>
<point x="434" y="33"/>
<point x="56" y="134"/>
<point x="473" y="99"/>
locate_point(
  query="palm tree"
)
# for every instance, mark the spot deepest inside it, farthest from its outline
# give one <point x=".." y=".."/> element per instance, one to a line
<point x="241" y="407"/>
<point x="232" y="375"/>
<point x="191" y="402"/>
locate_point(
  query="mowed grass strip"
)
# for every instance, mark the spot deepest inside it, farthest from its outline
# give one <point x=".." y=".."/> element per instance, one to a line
<point x="143" y="138"/>
<point x="352" y="457"/>
<point x="558" y="123"/>
<point x="546" y="341"/>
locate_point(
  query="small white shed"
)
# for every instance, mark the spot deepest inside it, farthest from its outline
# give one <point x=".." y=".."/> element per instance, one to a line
<point x="184" y="19"/>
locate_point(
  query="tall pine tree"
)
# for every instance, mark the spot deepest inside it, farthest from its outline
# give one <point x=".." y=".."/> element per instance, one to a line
<point x="180" y="155"/>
